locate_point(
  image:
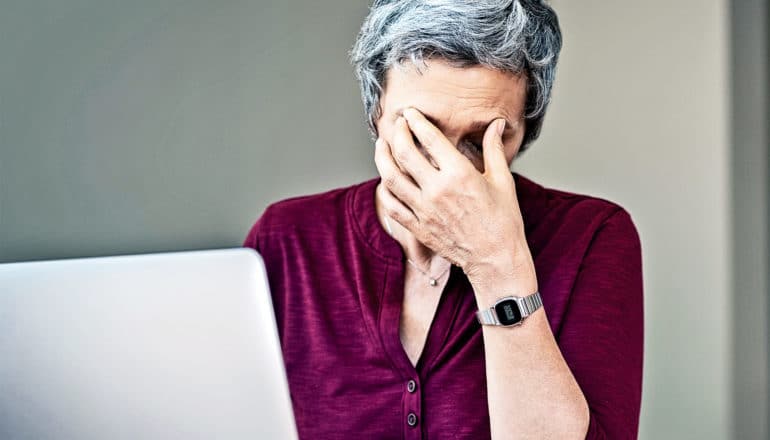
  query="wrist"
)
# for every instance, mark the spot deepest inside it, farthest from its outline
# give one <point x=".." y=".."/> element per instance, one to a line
<point x="497" y="278"/>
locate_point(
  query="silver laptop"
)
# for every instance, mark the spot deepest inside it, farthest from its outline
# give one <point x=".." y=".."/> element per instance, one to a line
<point x="163" y="346"/>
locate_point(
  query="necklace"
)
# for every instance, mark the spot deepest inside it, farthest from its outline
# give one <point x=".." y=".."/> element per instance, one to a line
<point x="432" y="281"/>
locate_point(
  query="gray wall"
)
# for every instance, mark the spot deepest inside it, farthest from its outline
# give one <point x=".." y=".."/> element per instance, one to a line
<point x="136" y="126"/>
<point x="641" y="116"/>
<point x="165" y="125"/>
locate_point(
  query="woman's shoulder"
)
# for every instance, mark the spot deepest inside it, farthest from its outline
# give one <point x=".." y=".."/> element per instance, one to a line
<point x="324" y="209"/>
<point x="547" y="200"/>
<point x="529" y="188"/>
<point x="572" y="215"/>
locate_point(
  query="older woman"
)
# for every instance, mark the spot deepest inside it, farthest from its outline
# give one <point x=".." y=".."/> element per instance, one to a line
<point x="451" y="298"/>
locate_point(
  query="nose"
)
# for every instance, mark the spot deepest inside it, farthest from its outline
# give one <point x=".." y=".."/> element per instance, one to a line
<point x="455" y="140"/>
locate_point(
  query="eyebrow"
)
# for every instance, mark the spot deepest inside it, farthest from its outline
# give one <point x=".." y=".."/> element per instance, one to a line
<point x="474" y="127"/>
<point x="482" y="126"/>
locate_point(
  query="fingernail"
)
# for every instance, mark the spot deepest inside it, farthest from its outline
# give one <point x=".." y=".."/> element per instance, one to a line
<point x="377" y="143"/>
<point x="500" y="126"/>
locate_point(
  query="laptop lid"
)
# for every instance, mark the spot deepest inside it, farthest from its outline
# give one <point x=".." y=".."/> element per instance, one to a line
<point x="160" y="346"/>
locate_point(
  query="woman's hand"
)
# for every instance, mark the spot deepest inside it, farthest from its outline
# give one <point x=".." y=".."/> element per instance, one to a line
<point x="470" y="218"/>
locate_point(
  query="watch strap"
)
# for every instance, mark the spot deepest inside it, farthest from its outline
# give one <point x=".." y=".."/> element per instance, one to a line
<point x="527" y="306"/>
<point x="530" y="303"/>
<point x="487" y="316"/>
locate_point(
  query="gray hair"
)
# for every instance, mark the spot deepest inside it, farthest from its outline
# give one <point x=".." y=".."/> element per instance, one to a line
<point x="517" y="36"/>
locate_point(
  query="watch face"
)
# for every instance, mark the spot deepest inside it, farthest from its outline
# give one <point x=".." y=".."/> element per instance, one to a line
<point x="508" y="312"/>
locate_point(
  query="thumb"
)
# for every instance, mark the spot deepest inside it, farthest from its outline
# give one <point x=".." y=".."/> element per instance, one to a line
<point x="495" y="164"/>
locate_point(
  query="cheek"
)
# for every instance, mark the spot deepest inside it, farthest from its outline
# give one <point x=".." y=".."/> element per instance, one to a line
<point x="510" y="152"/>
<point x="513" y="146"/>
<point x="386" y="131"/>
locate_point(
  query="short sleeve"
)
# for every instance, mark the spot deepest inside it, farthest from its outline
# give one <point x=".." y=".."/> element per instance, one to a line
<point x="602" y="334"/>
<point x="253" y="238"/>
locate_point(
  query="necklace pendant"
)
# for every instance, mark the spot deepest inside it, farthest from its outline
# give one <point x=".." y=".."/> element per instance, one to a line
<point x="433" y="282"/>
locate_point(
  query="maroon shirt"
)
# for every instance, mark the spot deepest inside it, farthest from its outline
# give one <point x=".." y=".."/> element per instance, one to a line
<point x="337" y="281"/>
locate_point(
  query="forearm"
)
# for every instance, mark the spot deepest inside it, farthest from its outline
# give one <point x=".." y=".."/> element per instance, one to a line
<point x="531" y="391"/>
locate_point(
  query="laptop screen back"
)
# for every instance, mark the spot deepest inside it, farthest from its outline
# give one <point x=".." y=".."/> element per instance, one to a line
<point x="163" y="346"/>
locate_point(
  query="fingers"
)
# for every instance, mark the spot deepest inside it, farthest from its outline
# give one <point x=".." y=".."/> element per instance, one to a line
<point x="496" y="165"/>
<point x="407" y="156"/>
<point x="396" y="210"/>
<point x="398" y="183"/>
<point x="438" y="146"/>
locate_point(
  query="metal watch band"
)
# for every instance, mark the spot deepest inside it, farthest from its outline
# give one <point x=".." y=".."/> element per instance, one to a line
<point x="530" y="303"/>
<point x="527" y="305"/>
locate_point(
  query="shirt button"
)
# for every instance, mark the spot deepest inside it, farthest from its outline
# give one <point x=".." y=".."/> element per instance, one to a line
<point x="411" y="386"/>
<point x="411" y="419"/>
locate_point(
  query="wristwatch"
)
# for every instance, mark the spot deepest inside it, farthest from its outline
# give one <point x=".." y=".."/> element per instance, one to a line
<point x="510" y="310"/>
